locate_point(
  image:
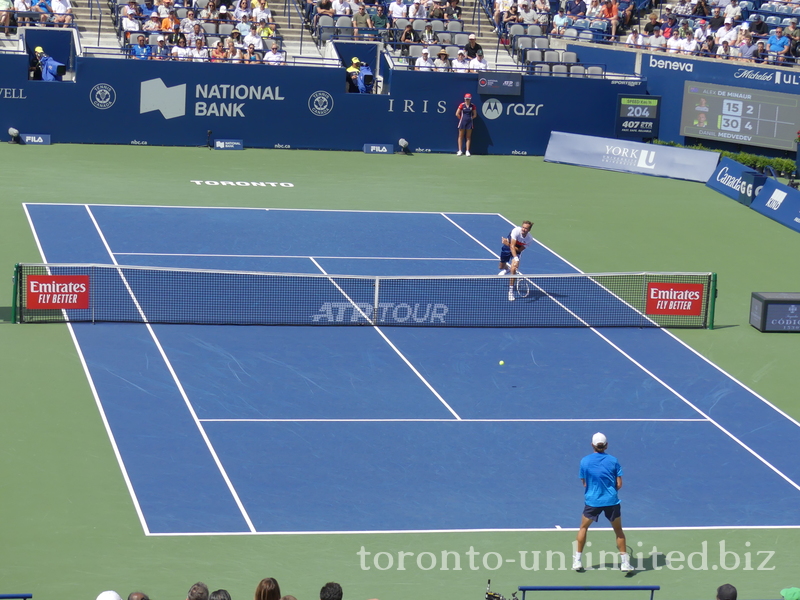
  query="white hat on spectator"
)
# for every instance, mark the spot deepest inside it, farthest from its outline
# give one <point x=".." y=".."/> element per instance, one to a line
<point x="110" y="595"/>
<point x="745" y="25"/>
<point x="154" y="14"/>
<point x="472" y="36"/>
<point x="161" y="39"/>
<point x="425" y="51"/>
<point x="223" y="9"/>
<point x="729" y="21"/>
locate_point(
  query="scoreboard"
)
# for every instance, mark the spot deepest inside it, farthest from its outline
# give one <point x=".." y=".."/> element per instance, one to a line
<point x="740" y="115"/>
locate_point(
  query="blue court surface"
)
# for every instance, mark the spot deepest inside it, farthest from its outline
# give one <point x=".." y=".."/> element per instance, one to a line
<point x="226" y="429"/>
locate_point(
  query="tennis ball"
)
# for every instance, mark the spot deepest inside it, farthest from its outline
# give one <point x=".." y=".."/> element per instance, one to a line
<point x="502" y="362"/>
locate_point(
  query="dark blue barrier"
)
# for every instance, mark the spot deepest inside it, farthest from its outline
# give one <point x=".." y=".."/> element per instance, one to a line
<point x="780" y="203"/>
<point x="57" y="43"/>
<point x="366" y="53"/>
<point x="730" y="178"/>
<point x="177" y="104"/>
<point x="631" y="157"/>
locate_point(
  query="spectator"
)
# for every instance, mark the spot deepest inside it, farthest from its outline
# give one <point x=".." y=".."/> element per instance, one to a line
<point x="138" y="596"/>
<point x="576" y="8"/>
<point x="424" y="63"/>
<point x="478" y="64"/>
<point x="452" y="11"/>
<point x="153" y="24"/>
<point x="651" y="24"/>
<point x="361" y="20"/>
<point x="244" y="26"/>
<point x="260" y="12"/>
<point x="527" y="15"/>
<point x="250" y="56"/>
<point x="560" y="23"/>
<point x="461" y="63"/>
<point x="333" y="591"/>
<point x="243" y="8"/>
<point x="254" y="39"/>
<point x="408" y="37"/>
<point x="758" y="28"/>
<point x="701" y="9"/>
<point x="674" y="45"/>
<point x="610" y="12"/>
<point x="542" y="8"/>
<point x="428" y="36"/>
<point x="43" y="8"/>
<point x="634" y="40"/>
<point x="196" y="34"/>
<point x="709" y="47"/>
<point x="437" y="10"/>
<point x="233" y="54"/>
<point x="689" y="45"/>
<point x="397" y="10"/>
<point x="667" y="28"/>
<point x="22" y="8"/>
<point x="266" y="31"/>
<point x="171" y="23"/>
<point x="200" y="52"/>
<point x="268" y="589"/>
<point x="274" y="57"/>
<point x="500" y="9"/>
<point x="132" y="8"/>
<point x="189" y="21"/>
<point x="593" y="10"/>
<point x="726" y="592"/>
<point x="381" y="22"/>
<point x="760" y="55"/>
<point x="141" y="50"/>
<point x="726" y="33"/>
<point x="473" y="47"/>
<point x="778" y="46"/>
<point x="342" y="8"/>
<point x="684" y="30"/>
<point x="682" y="9"/>
<point x="199" y="591"/>
<point x="733" y="11"/>
<point x="210" y="14"/>
<point x="702" y="31"/>
<point x="657" y="42"/>
<point x="181" y="51"/>
<point x="417" y="11"/>
<point x="746" y="48"/>
<point x="355" y="67"/>
<point x="793" y="33"/>
<point x="218" y="54"/>
<point x="219" y="595"/>
<point x="512" y="16"/>
<point x="724" y="50"/>
<point x="130" y="24"/>
<point x="441" y="64"/>
<point x="237" y="38"/>
<point x="224" y="15"/>
<point x="716" y="21"/>
<point x="324" y="8"/>
<point x="163" y="9"/>
<point x="161" y="50"/>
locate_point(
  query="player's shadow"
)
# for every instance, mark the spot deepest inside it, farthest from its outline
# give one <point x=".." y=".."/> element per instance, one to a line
<point x="536" y="295"/>
<point x="648" y="563"/>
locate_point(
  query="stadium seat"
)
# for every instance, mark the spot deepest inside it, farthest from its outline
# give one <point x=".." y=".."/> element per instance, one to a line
<point x="455" y="26"/>
<point x="153" y="39"/>
<point x="569" y="57"/>
<point x="211" y="41"/>
<point x="444" y="37"/>
<point x="201" y="4"/>
<point x="209" y="27"/>
<point x="570" y="34"/>
<point x="541" y="43"/>
<point x="535" y="30"/>
<point x="581" y="23"/>
<point x="461" y="39"/>
<point x="586" y="36"/>
<point x="418" y="25"/>
<point x="515" y="30"/>
<point x="551" y="56"/>
<point x="181" y="12"/>
<point x="400" y="24"/>
<point x="437" y="24"/>
<point x="594" y="71"/>
<point x="325" y="28"/>
<point x="226" y="28"/>
<point x="452" y="51"/>
<point x="773" y="21"/>
<point x="560" y="70"/>
<point x="796" y="11"/>
<point x="414" y="51"/>
<point x="784" y="9"/>
<point x="786" y="21"/>
<point x="541" y="69"/>
<point x="533" y="56"/>
<point x="344" y="26"/>
<point x="577" y="71"/>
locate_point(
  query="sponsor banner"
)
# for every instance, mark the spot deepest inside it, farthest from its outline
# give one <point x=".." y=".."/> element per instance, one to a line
<point x="630" y="157"/>
<point x="780" y="203"/>
<point x="228" y="145"/>
<point x="379" y="148"/>
<point x="34" y="139"/>
<point x="504" y="84"/>
<point x="56" y="291"/>
<point x="674" y="298"/>
<point x="729" y="179"/>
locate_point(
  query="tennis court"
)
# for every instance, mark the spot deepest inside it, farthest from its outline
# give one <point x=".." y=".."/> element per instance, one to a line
<point x="224" y="429"/>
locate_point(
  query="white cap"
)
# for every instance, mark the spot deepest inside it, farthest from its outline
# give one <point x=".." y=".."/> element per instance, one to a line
<point x="109" y="595"/>
<point x="729" y="20"/>
<point x="161" y="39"/>
<point x="425" y="51"/>
<point x="598" y="439"/>
<point x="471" y="36"/>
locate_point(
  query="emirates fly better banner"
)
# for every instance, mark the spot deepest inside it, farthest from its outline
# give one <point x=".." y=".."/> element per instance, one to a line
<point x="57" y="291"/>
<point x="674" y="298"/>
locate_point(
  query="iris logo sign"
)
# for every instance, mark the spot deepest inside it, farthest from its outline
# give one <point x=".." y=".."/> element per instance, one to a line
<point x="169" y="101"/>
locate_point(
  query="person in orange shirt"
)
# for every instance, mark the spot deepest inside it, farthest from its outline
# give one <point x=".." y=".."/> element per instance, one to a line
<point x="171" y="22"/>
<point x="218" y="54"/>
<point x="610" y="12"/>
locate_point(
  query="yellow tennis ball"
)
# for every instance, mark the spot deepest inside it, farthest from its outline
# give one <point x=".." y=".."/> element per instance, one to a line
<point x="502" y="362"/>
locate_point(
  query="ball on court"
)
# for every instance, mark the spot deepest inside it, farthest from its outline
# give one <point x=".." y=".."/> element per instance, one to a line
<point x="502" y="362"/>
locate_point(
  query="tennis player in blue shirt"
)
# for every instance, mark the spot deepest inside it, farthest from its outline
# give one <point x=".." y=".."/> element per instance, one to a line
<point x="601" y="475"/>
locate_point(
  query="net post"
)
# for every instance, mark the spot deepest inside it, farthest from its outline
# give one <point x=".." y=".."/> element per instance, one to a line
<point x="15" y="279"/>
<point x="375" y="301"/>
<point x="712" y="300"/>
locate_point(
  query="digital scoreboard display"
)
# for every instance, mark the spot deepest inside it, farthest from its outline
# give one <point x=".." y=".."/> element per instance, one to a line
<point x="740" y="115"/>
<point x="637" y="116"/>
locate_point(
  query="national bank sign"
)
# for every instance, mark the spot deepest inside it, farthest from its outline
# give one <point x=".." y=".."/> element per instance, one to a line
<point x="210" y="100"/>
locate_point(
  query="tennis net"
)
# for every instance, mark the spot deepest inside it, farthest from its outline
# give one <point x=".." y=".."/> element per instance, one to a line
<point x="107" y="293"/>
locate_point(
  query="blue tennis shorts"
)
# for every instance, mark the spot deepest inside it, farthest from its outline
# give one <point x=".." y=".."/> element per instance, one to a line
<point x="505" y="254"/>
<point x="612" y="513"/>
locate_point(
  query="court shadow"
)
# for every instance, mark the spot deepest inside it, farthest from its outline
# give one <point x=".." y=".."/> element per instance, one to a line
<point x="649" y="563"/>
<point x="5" y="314"/>
<point x="724" y="326"/>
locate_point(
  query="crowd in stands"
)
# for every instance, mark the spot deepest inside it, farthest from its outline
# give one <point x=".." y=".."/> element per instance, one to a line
<point x="267" y="589"/>
<point x="27" y="13"/>
<point x="244" y="34"/>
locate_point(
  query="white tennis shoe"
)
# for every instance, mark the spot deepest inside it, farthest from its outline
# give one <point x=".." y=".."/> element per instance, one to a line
<point x="511" y="295"/>
<point x="458" y="153"/>
<point x="577" y="565"/>
<point x="502" y="272"/>
<point x="626" y="567"/>
<point x="467" y="153"/>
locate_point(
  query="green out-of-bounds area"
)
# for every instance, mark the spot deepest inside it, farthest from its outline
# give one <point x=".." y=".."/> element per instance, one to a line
<point x="68" y="527"/>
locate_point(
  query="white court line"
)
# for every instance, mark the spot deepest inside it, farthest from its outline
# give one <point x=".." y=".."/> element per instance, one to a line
<point x="451" y="420"/>
<point x="660" y="381"/>
<point x="177" y="381"/>
<point x="96" y="396"/>
<point x="296" y="256"/>
<point x="391" y="345"/>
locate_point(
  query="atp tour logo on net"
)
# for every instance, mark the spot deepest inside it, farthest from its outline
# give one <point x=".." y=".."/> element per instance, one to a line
<point x="630" y="157"/>
<point x="388" y="312"/>
<point x="674" y="298"/>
